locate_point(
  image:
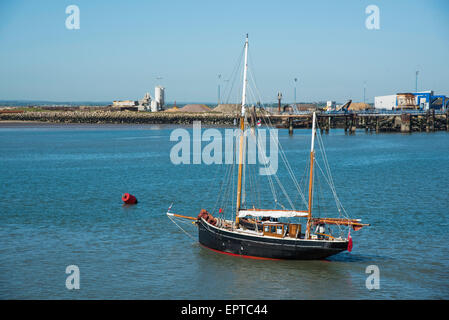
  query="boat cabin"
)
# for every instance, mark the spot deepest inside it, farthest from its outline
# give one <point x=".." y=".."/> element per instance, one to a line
<point x="281" y="230"/>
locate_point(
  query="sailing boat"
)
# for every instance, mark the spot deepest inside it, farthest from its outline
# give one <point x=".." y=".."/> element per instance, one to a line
<point x="257" y="233"/>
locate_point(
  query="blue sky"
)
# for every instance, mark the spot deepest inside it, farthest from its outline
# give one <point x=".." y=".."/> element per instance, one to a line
<point x="123" y="46"/>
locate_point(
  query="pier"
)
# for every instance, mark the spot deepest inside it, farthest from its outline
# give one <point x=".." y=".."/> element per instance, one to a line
<point x="405" y="121"/>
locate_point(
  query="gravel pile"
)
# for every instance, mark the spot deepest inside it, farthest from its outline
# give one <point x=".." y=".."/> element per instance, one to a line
<point x="195" y="108"/>
<point x="229" y="108"/>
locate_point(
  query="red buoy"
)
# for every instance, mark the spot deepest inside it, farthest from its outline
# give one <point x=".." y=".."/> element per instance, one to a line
<point x="129" y="199"/>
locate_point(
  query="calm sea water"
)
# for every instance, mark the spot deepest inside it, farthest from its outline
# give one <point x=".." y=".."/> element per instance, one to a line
<point x="60" y="195"/>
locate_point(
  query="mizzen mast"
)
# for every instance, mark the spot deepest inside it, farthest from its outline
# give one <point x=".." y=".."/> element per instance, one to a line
<point x="312" y="160"/>
<point x="242" y="128"/>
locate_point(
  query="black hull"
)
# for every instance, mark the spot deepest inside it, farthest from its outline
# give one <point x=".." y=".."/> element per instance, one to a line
<point x="253" y="246"/>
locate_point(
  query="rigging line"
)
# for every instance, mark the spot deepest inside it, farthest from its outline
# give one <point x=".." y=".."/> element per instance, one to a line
<point x="283" y="156"/>
<point x="240" y="91"/>
<point x="254" y="187"/>
<point x="270" y="182"/>
<point x="292" y="175"/>
<point x="327" y="180"/>
<point x="303" y="180"/>
<point x="219" y="202"/>
<point x="278" y="180"/>
<point x="233" y="209"/>
<point x="289" y="168"/>
<point x="227" y="179"/>
<point x="264" y="159"/>
<point x="222" y="165"/>
<point x="189" y="235"/>
<point x="256" y="100"/>
<point x="228" y="186"/>
<point x="326" y="162"/>
<point x="250" y="94"/>
<point x="331" y="184"/>
<point x="228" y="198"/>
<point x="337" y="201"/>
<point x="243" y="190"/>
<point x="221" y="187"/>
<point x="234" y="73"/>
<point x="285" y="192"/>
<point x="320" y="195"/>
<point x="251" y="188"/>
<point x="224" y="180"/>
<point x="253" y="76"/>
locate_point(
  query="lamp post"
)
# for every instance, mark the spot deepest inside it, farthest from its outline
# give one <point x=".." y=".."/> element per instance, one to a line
<point x="364" y="91"/>
<point x="279" y="101"/>
<point x="296" y="80"/>
<point x="219" y="77"/>
<point x="416" y="81"/>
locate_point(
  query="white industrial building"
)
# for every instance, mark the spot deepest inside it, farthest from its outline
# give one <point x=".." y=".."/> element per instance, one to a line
<point x="158" y="103"/>
<point x="385" y="102"/>
<point x="423" y="100"/>
<point x="147" y="103"/>
<point x="331" y="105"/>
<point x="159" y="95"/>
<point x="124" y="103"/>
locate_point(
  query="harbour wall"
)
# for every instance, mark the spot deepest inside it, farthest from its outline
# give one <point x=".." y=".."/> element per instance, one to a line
<point x="405" y="122"/>
<point x="117" y="117"/>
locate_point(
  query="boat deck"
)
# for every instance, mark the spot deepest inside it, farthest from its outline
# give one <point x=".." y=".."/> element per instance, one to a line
<point x="230" y="226"/>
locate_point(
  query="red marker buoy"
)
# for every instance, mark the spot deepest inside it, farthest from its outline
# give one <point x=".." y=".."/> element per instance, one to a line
<point x="129" y="199"/>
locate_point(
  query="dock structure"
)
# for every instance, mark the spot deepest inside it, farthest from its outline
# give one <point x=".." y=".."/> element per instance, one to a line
<point x="400" y="121"/>
<point x="405" y="121"/>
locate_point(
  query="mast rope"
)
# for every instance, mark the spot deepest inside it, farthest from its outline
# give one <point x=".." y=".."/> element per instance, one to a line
<point x="252" y="94"/>
<point x="287" y="164"/>
<point x="233" y="75"/>
<point x="328" y="170"/>
<point x="281" y="149"/>
<point x="270" y="181"/>
<point x="189" y="235"/>
<point x="329" y="179"/>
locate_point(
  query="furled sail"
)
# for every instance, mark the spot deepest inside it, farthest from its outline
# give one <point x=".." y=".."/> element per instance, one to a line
<point x="272" y="213"/>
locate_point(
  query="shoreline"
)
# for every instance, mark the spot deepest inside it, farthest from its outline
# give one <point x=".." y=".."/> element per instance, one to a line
<point x="47" y="124"/>
<point x="118" y="117"/>
<point x="404" y="123"/>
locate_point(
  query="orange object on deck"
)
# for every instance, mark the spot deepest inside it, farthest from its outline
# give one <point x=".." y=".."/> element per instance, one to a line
<point x="129" y="199"/>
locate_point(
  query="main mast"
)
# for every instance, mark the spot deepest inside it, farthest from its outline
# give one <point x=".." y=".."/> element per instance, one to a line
<point x="242" y="128"/>
<point x="312" y="160"/>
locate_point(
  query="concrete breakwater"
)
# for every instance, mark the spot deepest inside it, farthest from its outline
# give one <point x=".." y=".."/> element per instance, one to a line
<point x="95" y="117"/>
<point x="405" y="122"/>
